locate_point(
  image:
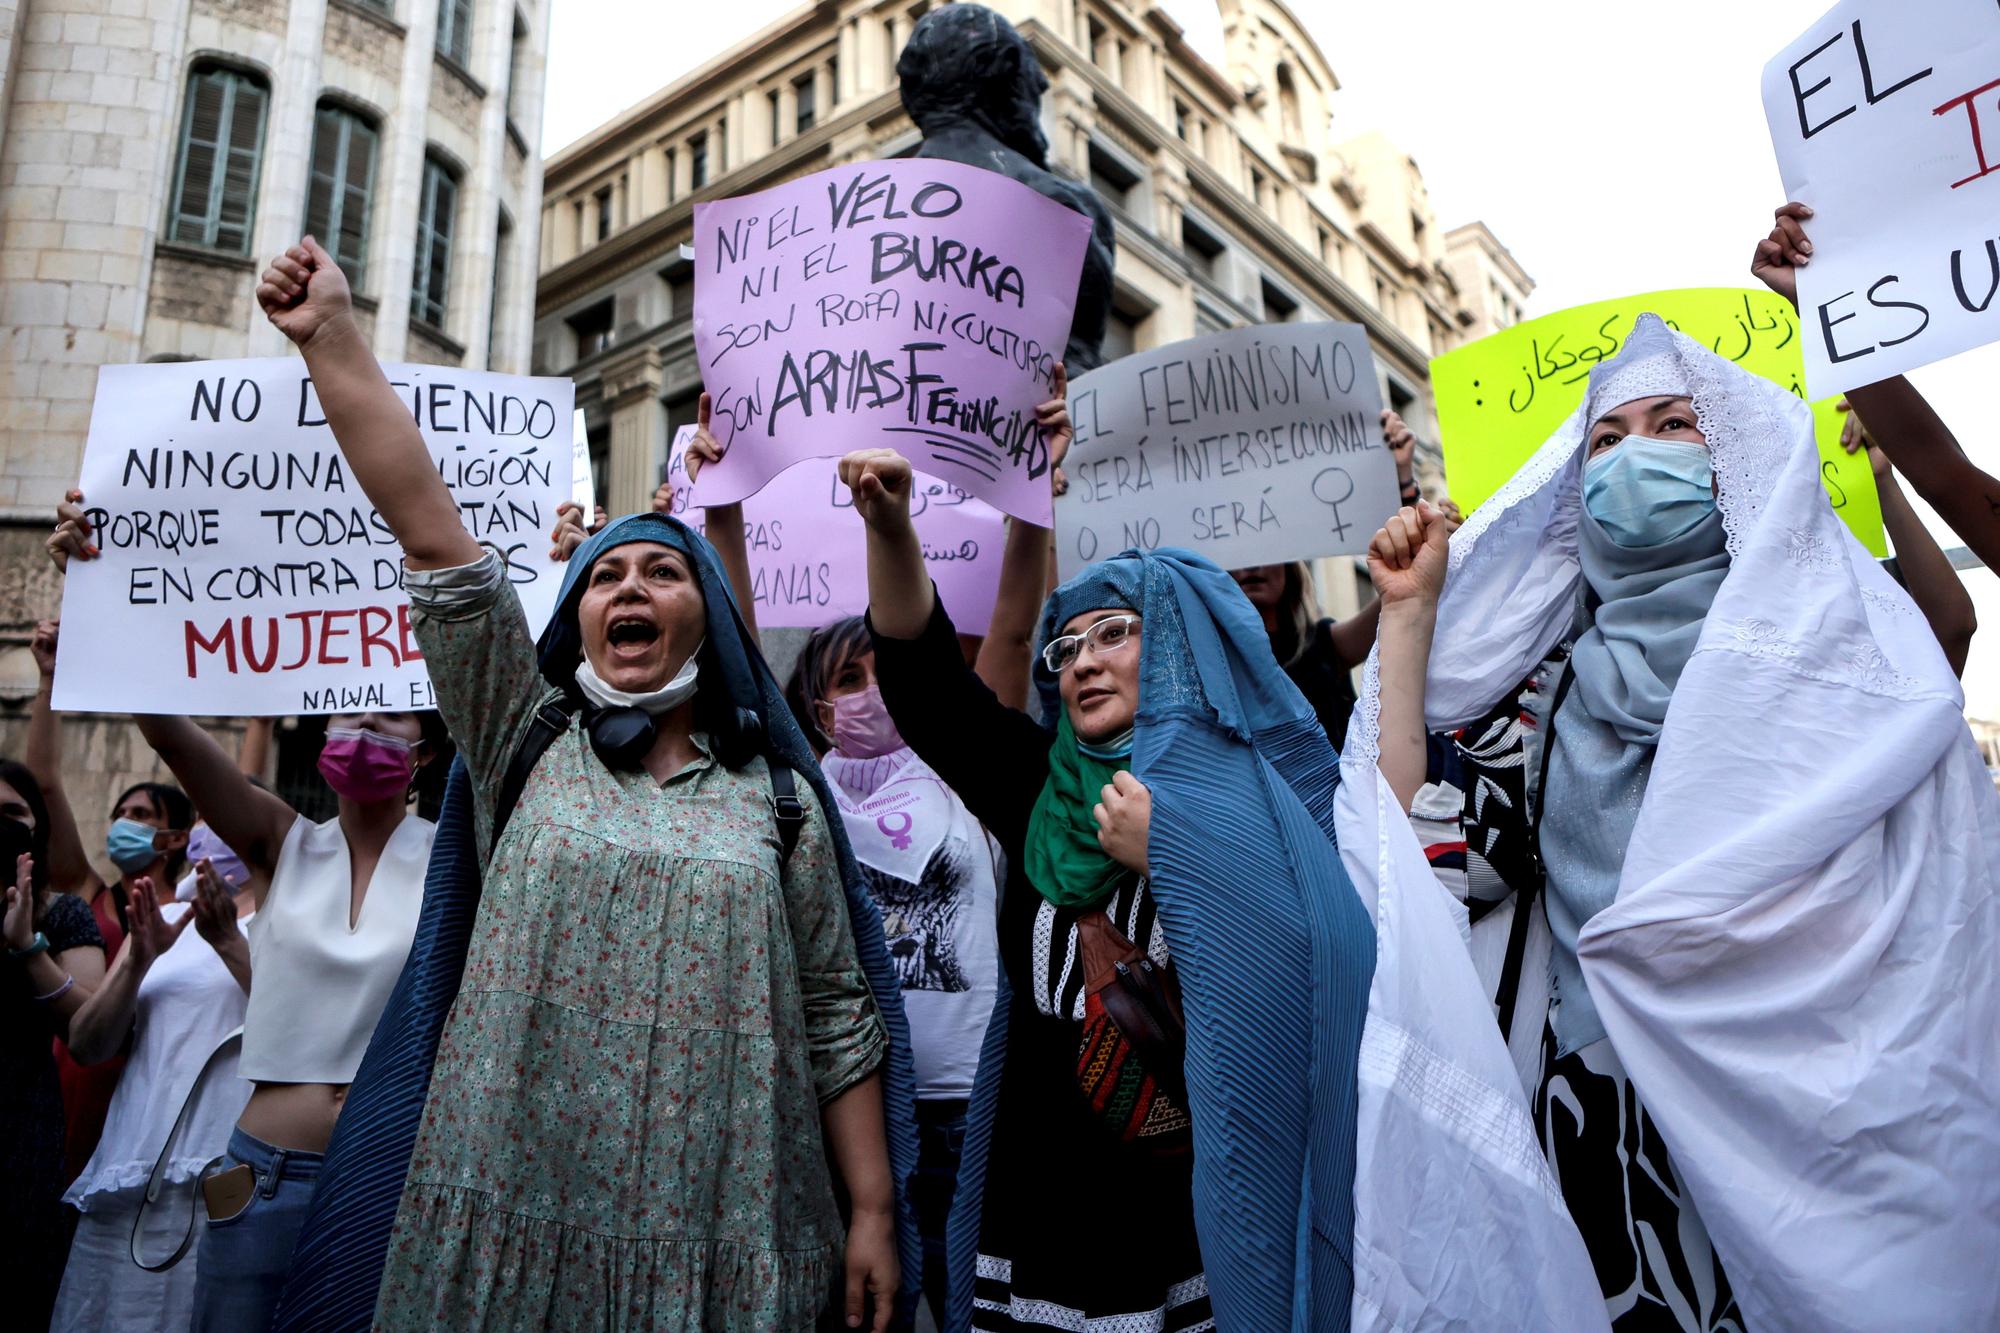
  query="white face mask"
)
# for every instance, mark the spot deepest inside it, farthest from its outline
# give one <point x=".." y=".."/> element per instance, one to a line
<point x="653" y="702"/>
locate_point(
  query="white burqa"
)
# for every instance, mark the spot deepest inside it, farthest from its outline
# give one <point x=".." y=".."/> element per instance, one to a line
<point x="1801" y="972"/>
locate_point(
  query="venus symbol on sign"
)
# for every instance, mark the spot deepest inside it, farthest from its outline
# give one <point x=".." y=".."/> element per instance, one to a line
<point x="1332" y="486"/>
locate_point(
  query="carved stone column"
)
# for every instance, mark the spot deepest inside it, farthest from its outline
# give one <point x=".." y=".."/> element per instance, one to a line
<point x="632" y="386"/>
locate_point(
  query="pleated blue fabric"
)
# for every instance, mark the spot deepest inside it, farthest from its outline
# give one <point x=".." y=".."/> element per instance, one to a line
<point x="1272" y="946"/>
<point x="337" y="1264"/>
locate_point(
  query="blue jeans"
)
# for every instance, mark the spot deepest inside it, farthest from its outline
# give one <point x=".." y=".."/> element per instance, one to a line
<point x="243" y="1259"/>
<point x="940" y="1140"/>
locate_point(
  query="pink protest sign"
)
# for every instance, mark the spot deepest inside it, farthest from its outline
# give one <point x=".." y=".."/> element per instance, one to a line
<point x="808" y="551"/>
<point x="912" y="304"/>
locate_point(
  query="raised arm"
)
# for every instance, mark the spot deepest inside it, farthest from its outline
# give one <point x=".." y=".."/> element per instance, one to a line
<point x="1407" y="562"/>
<point x="974" y="741"/>
<point x="99" y="1027"/>
<point x="306" y="296"/>
<point x="250" y="820"/>
<point x="1006" y="654"/>
<point x="1934" y="585"/>
<point x="1913" y="436"/>
<point x="900" y="592"/>
<point x="69" y="867"/>
<point x="721" y="524"/>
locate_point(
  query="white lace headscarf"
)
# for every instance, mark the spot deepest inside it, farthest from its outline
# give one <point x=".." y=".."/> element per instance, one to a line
<point x="1798" y="970"/>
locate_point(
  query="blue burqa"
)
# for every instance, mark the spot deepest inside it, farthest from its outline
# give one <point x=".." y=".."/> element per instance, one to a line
<point x="337" y="1265"/>
<point x="1273" y="948"/>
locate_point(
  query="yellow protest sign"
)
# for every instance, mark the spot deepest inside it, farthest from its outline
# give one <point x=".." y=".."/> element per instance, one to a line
<point x="1500" y="398"/>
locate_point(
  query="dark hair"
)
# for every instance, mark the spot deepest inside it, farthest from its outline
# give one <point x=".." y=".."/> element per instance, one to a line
<point x="430" y="779"/>
<point x="829" y="648"/>
<point x="174" y="806"/>
<point x="17" y="776"/>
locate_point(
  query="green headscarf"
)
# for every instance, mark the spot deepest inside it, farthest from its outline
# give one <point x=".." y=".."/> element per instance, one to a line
<point x="1064" y="861"/>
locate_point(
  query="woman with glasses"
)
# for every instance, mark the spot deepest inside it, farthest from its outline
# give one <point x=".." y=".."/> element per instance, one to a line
<point x="1057" y="1156"/>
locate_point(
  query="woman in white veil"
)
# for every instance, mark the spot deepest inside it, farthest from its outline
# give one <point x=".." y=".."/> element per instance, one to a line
<point x="1755" y="1006"/>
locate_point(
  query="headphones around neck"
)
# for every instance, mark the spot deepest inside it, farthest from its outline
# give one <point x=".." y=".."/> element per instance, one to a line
<point x="621" y="737"/>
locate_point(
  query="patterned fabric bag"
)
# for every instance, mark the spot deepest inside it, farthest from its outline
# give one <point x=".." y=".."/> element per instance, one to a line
<point x="1130" y="1061"/>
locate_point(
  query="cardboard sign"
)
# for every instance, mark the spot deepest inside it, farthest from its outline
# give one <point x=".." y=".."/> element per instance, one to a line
<point x="808" y="548"/>
<point x="243" y="573"/>
<point x="1251" y="447"/>
<point x="913" y="304"/>
<point x="1886" y="120"/>
<point x="1499" y="399"/>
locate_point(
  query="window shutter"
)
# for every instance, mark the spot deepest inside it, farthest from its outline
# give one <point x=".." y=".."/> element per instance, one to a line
<point x="343" y="178"/>
<point x="430" y="284"/>
<point x="201" y="135"/>
<point x="222" y="146"/>
<point x="357" y="184"/>
<point x="236" y="204"/>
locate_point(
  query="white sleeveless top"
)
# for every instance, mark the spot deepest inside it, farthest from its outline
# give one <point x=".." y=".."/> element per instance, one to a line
<point x="187" y="1003"/>
<point x="318" y="984"/>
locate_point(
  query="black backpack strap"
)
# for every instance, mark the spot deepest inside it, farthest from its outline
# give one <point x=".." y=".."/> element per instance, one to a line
<point x="791" y="811"/>
<point x="1517" y="931"/>
<point x="551" y="721"/>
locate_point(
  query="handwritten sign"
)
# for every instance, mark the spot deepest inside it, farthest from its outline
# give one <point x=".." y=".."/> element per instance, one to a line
<point x="808" y="548"/>
<point x="1252" y="446"/>
<point x="243" y="571"/>
<point x="1499" y="399"/>
<point x="915" y="304"/>
<point x="1886" y="120"/>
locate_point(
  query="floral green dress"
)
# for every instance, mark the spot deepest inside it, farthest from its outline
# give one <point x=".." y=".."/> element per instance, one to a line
<point x="623" y="1124"/>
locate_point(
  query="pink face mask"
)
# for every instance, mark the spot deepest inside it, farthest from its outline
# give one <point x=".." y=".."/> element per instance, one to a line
<point x="862" y="727"/>
<point x="366" y="765"/>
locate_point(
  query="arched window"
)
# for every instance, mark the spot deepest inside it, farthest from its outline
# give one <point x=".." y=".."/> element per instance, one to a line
<point x="221" y="152"/>
<point x="431" y="283"/>
<point x="1288" y="106"/>
<point x="341" y="186"/>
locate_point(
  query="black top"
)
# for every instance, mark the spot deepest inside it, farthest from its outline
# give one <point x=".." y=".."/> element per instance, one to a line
<point x="1075" y="1216"/>
<point x="1324" y="680"/>
<point x="32" y="1239"/>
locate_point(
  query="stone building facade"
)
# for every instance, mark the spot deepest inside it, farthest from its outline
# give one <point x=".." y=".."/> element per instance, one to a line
<point x="155" y="153"/>
<point x="1236" y="202"/>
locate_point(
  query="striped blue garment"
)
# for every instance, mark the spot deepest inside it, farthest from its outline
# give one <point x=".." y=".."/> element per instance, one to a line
<point x="337" y="1264"/>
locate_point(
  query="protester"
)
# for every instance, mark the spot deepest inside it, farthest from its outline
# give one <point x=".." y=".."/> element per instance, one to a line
<point x="336" y="907"/>
<point x="626" y="1120"/>
<point x="935" y="873"/>
<point x="1912" y="435"/>
<point x="149" y="829"/>
<point x="172" y="1000"/>
<point x="1120" y="1059"/>
<point x="1773" y="898"/>
<point x="56" y="958"/>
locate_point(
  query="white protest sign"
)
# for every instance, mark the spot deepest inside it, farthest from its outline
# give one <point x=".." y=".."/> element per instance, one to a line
<point x="1877" y="114"/>
<point x="243" y="572"/>
<point x="583" y="484"/>
<point x="1251" y="447"/>
<point x="808" y="548"/>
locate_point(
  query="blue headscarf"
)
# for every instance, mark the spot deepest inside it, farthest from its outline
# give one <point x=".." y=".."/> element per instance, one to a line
<point x="337" y="1265"/>
<point x="1273" y="948"/>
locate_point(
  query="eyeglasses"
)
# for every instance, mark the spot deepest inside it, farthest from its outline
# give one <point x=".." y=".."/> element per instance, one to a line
<point x="1106" y="636"/>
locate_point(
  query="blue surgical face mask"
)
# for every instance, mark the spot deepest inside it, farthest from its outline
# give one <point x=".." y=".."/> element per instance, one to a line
<point x="130" y="844"/>
<point x="1646" y="492"/>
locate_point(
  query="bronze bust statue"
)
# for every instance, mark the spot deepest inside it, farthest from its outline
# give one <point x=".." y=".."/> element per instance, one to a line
<point x="974" y="88"/>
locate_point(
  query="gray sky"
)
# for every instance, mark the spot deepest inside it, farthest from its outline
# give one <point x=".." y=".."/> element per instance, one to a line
<point x="1612" y="150"/>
